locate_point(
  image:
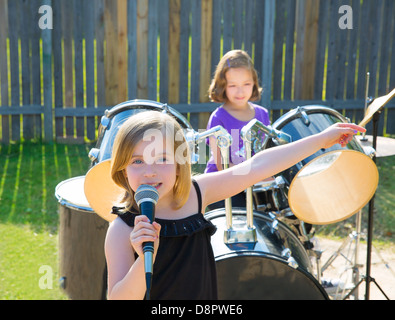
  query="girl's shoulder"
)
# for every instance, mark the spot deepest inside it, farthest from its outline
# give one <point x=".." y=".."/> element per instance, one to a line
<point x="218" y="112"/>
<point x="259" y="108"/>
<point x="120" y="225"/>
<point x="261" y="113"/>
<point x="118" y="235"/>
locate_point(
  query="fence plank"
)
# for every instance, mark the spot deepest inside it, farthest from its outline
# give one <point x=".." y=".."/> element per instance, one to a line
<point x="132" y="49"/>
<point x="216" y="34"/>
<point x="99" y="30"/>
<point x="267" y="57"/>
<point x="152" y="49"/>
<point x="248" y="26"/>
<point x="278" y="50"/>
<point x="5" y="134"/>
<point x="205" y="57"/>
<point x="227" y="25"/>
<point x="58" y="63"/>
<point x="305" y="58"/>
<point x="26" y="23"/>
<point x="88" y="25"/>
<point x="289" y="51"/>
<point x="78" y="64"/>
<point x="13" y="31"/>
<point x="122" y="50"/>
<point x="110" y="61"/>
<point x="67" y="31"/>
<point x="36" y="66"/>
<point x="174" y="51"/>
<point x="46" y="35"/>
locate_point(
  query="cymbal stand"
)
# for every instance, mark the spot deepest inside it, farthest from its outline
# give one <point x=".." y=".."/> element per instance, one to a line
<point x="352" y="238"/>
<point x="355" y="235"/>
<point x="367" y="277"/>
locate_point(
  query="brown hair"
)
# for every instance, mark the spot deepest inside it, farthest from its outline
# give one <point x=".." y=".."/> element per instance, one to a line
<point x="131" y="133"/>
<point x="232" y="59"/>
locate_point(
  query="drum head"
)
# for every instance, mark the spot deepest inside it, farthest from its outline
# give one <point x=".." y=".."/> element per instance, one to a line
<point x="333" y="187"/>
<point x="70" y="193"/>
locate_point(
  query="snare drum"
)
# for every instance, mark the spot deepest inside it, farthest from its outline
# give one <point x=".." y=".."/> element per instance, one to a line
<point x="276" y="266"/>
<point x="332" y="184"/>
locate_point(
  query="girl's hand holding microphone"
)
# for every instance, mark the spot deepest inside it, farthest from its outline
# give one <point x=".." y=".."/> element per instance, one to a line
<point x="144" y="231"/>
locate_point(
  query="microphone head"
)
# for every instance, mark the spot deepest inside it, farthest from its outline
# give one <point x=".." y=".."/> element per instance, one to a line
<point x="145" y="192"/>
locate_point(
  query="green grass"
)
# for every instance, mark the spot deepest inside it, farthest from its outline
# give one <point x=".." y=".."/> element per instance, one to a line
<point x="29" y="213"/>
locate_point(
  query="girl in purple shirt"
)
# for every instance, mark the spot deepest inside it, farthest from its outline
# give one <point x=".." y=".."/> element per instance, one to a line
<point x="235" y="84"/>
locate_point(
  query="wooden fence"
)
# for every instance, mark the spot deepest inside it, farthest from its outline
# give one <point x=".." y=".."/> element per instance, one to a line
<point x="62" y="63"/>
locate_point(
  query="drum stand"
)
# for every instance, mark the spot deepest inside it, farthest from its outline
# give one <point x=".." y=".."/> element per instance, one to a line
<point x="352" y="238"/>
<point x="367" y="277"/>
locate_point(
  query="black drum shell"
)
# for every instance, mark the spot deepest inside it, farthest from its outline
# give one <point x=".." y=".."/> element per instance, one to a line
<point x="260" y="271"/>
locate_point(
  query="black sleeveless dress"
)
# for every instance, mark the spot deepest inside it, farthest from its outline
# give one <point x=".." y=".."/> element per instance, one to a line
<point x="184" y="267"/>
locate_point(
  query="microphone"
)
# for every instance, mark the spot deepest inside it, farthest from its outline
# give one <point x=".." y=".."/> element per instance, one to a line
<point x="146" y="197"/>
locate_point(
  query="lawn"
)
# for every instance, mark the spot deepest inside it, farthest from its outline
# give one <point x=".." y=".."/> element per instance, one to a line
<point x="29" y="214"/>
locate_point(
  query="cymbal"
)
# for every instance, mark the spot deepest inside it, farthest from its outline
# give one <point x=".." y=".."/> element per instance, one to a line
<point x="375" y="106"/>
<point x="385" y="147"/>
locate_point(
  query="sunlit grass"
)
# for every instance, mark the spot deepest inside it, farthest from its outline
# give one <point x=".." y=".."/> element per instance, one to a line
<point x="29" y="214"/>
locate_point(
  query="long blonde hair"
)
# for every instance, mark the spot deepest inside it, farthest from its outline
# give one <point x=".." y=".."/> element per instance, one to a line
<point x="131" y="133"/>
<point x="232" y="59"/>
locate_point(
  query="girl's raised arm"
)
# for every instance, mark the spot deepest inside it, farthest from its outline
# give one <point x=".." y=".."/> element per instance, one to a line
<point x="224" y="184"/>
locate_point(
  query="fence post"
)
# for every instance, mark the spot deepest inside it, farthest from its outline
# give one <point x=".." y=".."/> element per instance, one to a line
<point x="47" y="73"/>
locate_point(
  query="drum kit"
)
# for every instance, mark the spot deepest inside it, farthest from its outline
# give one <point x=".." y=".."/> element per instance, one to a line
<point x="262" y="251"/>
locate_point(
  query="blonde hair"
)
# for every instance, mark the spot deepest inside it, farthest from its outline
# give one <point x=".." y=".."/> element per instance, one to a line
<point x="130" y="134"/>
<point x="232" y="59"/>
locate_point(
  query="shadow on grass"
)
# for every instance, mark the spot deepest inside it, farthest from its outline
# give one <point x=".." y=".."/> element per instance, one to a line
<point x="30" y="172"/>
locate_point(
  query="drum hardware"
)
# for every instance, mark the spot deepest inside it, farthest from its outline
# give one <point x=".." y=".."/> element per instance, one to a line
<point x="287" y="254"/>
<point x="234" y="234"/>
<point x="250" y="132"/>
<point x="373" y="111"/>
<point x="300" y="111"/>
<point x="352" y="256"/>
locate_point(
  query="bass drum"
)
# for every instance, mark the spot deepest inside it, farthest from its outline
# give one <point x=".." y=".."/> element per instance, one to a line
<point x="276" y="267"/>
<point x="332" y="184"/>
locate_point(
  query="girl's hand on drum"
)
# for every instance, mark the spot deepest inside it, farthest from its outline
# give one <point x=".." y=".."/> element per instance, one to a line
<point x="144" y="231"/>
<point x="341" y="133"/>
